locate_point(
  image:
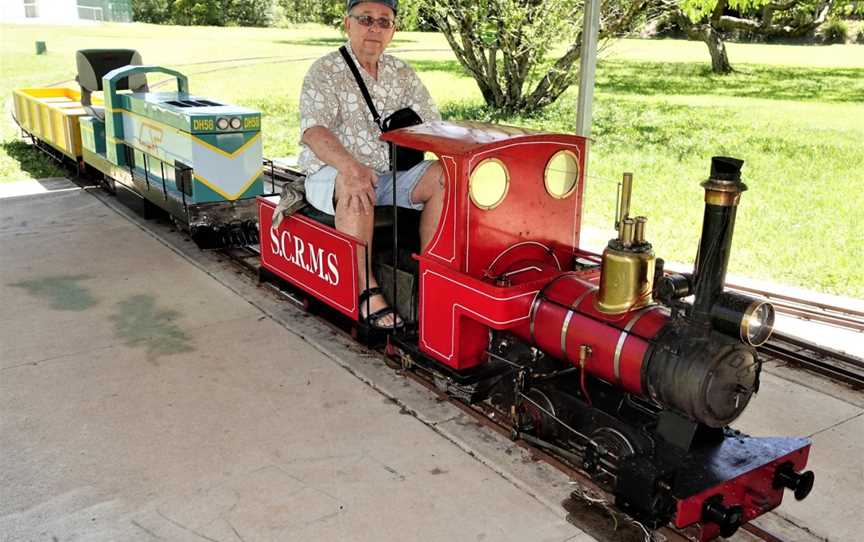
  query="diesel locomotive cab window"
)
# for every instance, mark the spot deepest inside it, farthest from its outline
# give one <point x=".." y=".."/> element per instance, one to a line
<point x="489" y="183"/>
<point x="562" y="173"/>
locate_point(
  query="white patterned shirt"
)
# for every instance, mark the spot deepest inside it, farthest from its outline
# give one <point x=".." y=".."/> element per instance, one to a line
<point x="331" y="98"/>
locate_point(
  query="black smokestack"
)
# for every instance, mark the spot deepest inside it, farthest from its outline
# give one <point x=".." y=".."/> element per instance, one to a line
<point x="722" y="193"/>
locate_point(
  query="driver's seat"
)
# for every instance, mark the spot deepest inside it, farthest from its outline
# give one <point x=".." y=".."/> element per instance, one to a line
<point x="94" y="64"/>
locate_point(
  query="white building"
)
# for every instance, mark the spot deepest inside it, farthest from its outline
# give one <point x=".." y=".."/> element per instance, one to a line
<point x="64" y="11"/>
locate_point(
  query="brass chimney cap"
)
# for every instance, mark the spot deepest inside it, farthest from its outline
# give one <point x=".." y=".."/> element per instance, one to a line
<point x="724" y="186"/>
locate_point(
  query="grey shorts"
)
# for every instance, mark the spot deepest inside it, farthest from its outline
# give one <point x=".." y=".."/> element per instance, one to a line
<point x="321" y="185"/>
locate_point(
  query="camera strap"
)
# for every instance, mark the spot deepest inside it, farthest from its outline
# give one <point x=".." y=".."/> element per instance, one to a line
<point x="363" y="90"/>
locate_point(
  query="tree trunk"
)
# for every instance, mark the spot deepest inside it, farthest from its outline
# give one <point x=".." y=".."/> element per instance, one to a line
<point x="708" y="33"/>
<point x="717" y="49"/>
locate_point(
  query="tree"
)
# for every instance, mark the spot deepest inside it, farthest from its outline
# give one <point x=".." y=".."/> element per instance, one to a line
<point x="504" y="44"/>
<point x="196" y="12"/>
<point x="151" y="11"/>
<point x="313" y="11"/>
<point x="203" y="12"/>
<point x="709" y="20"/>
<point x="248" y="12"/>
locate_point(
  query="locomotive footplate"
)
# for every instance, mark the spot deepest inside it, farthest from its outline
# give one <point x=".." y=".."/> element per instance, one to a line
<point x="715" y="487"/>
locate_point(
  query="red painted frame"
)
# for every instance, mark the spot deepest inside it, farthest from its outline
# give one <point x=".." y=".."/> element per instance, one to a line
<point x="457" y="306"/>
<point x="753" y="491"/>
<point x="312" y="256"/>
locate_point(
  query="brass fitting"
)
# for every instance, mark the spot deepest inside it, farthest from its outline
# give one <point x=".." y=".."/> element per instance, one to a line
<point x="722" y="193"/>
<point x="627" y="269"/>
<point x="624" y="204"/>
<point x="626" y="280"/>
<point x="639" y="234"/>
<point x="628" y="228"/>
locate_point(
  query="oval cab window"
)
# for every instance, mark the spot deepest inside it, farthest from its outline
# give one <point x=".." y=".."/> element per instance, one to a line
<point x="562" y="173"/>
<point x="489" y="183"/>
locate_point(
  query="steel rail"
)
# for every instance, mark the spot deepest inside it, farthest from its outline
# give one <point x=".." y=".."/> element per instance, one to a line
<point x="806" y="309"/>
<point x="843" y="367"/>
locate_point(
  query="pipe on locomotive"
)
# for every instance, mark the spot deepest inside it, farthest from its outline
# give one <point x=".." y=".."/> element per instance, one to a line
<point x="702" y="364"/>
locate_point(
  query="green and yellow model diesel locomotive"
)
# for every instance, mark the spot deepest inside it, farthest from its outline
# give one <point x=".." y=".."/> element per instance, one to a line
<point x="197" y="159"/>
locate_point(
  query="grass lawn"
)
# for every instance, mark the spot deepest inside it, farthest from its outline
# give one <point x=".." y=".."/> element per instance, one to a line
<point x="795" y="114"/>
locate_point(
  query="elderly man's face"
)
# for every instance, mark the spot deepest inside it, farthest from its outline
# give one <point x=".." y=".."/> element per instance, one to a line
<point x="369" y="41"/>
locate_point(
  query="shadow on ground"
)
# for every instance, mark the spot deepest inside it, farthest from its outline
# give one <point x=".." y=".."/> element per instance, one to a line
<point x="747" y="81"/>
<point x="691" y="79"/>
<point x="446" y="66"/>
<point x="30" y="160"/>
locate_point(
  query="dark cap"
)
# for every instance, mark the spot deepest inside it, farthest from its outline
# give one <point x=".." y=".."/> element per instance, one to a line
<point x="726" y="168"/>
<point x="392" y="4"/>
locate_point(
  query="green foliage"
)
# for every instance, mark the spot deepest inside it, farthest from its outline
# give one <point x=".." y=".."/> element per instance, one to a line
<point x="835" y="31"/>
<point x="504" y="45"/>
<point x="250" y="12"/>
<point x="20" y="161"/>
<point x="699" y="9"/>
<point x="203" y="12"/>
<point x="328" y="12"/>
<point x="151" y="11"/>
<point x="195" y="12"/>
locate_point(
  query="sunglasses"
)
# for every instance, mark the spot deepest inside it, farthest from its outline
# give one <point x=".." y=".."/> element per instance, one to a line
<point x="382" y="22"/>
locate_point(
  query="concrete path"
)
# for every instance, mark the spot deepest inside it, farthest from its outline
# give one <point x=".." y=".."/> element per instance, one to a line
<point x="140" y="399"/>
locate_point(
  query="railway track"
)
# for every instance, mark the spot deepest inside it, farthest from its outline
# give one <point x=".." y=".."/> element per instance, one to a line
<point x="837" y="366"/>
<point x="815" y="311"/>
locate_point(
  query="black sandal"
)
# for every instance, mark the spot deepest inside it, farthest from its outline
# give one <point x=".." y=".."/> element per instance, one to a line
<point x="372" y="319"/>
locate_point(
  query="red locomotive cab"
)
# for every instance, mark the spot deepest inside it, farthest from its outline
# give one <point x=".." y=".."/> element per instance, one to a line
<point x="510" y="222"/>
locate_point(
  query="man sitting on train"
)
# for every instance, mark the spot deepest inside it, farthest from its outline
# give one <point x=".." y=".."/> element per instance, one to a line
<point x="346" y="165"/>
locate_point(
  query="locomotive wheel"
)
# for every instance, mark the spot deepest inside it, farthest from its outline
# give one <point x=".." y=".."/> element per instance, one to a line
<point x="531" y="419"/>
<point x="109" y="184"/>
<point x="618" y="444"/>
<point x="151" y="210"/>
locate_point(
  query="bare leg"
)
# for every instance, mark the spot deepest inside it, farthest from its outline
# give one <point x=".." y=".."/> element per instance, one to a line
<point x="430" y="191"/>
<point x="361" y="226"/>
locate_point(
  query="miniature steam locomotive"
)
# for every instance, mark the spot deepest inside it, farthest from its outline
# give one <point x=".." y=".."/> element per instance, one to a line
<point x="604" y="359"/>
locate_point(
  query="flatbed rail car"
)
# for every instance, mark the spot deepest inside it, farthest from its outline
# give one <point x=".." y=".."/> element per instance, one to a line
<point x="51" y="116"/>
